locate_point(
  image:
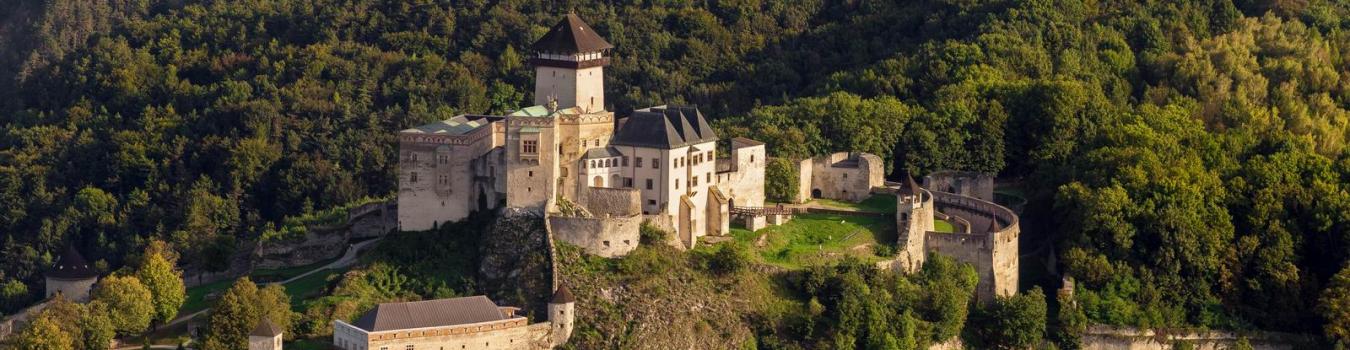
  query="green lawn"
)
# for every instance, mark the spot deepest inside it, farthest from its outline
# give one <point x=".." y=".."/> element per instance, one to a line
<point x="196" y="296"/>
<point x="307" y="287"/>
<point x="810" y="239"/>
<point x="875" y="204"/>
<point x="940" y="225"/>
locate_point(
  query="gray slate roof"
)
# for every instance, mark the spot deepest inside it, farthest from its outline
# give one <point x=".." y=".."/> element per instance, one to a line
<point x="571" y="35"/>
<point x="71" y="265"/>
<point x="265" y="329"/>
<point x="665" y="127"/>
<point x="458" y="125"/>
<point x="605" y="152"/>
<point x="430" y="313"/>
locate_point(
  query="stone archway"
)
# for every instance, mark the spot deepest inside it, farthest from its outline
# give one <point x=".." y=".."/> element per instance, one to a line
<point x="815" y="193"/>
<point x="598" y="182"/>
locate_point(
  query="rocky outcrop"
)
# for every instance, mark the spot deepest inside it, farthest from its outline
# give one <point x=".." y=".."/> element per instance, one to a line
<point x="324" y="242"/>
<point x="514" y="266"/>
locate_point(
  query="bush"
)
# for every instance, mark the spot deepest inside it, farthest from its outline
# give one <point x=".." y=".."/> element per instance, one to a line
<point x="780" y="180"/>
<point x="730" y="257"/>
<point x="650" y="234"/>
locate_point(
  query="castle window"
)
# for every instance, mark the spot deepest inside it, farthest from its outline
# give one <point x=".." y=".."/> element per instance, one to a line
<point x="606" y="244"/>
<point x="628" y="182"/>
<point x="531" y="173"/>
<point x="752" y="158"/>
<point x="414" y="157"/>
<point x="651" y="202"/>
<point x="649" y="186"/>
<point x="710" y="155"/>
<point x="529" y="146"/>
<point x="655" y="164"/>
<point x="445" y="179"/>
<point x="677" y="184"/>
<point x="564" y="171"/>
<point x="694" y="181"/>
<point x="625" y="160"/>
<point x="412" y="177"/>
<point x="637" y="162"/>
<point x="592" y="164"/>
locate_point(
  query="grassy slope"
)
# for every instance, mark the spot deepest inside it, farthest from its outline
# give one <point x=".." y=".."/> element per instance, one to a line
<point x="661" y="298"/>
<point x="810" y="239"/>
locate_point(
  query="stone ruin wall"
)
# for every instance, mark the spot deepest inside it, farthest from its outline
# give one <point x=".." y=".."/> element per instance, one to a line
<point x="994" y="254"/>
<point x="612" y="230"/>
<point x="914" y="222"/>
<point x="1099" y="337"/>
<point x="965" y="183"/>
<point x="602" y="201"/>
<point x="849" y="183"/>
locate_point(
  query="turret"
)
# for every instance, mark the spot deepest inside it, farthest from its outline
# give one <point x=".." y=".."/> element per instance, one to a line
<point x="569" y="66"/>
<point x="72" y="277"/>
<point x="266" y="336"/>
<point x="561" y="314"/>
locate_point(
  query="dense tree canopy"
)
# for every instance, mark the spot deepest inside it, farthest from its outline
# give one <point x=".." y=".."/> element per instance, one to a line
<point x="1188" y="160"/>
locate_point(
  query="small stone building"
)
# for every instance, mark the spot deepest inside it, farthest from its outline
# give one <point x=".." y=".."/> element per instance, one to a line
<point x="72" y="277"/>
<point x="847" y="176"/>
<point x="267" y="336"/>
<point x="456" y="323"/>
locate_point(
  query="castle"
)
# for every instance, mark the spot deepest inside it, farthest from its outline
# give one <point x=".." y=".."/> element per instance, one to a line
<point x="595" y="176"/>
<point x="596" y="179"/>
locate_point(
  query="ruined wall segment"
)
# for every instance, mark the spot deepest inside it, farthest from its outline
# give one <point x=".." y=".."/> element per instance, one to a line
<point x="843" y="176"/>
<point x="991" y="246"/>
<point x="966" y="183"/>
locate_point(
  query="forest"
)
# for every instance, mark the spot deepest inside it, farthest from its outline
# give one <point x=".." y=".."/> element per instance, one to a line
<point x="1188" y="160"/>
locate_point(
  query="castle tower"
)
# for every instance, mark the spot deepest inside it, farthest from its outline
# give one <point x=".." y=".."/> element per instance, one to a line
<point x="914" y="219"/>
<point x="266" y="336"/>
<point x="569" y="66"/>
<point x="72" y="277"/>
<point x="561" y="314"/>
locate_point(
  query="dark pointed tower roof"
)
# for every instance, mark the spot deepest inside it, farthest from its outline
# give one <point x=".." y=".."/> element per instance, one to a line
<point x="993" y="224"/>
<point x="71" y="265"/>
<point x="571" y="35"/>
<point x="909" y="187"/>
<point x="265" y="329"/>
<point x="562" y="296"/>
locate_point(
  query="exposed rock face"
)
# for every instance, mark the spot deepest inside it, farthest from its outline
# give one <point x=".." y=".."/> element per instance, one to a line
<point x="324" y="242"/>
<point x="515" y="268"/>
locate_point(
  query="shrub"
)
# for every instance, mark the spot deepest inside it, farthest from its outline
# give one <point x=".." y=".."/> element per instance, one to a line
<point x="650" y="234"/>
<point x="780" y="180"/>
<point x="730" y="257"/>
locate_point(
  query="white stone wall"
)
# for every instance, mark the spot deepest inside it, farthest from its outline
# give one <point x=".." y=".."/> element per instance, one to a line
<point x="444" y="167"/>
<point x="264" y="343"/>
<point x="513" y="334"/>
<point x="745" y="185"/>
<point x="572" y="87"/>
<point x="530" y="178"/>
<point x="576" y="135"/>
<point x="72" y="289"/>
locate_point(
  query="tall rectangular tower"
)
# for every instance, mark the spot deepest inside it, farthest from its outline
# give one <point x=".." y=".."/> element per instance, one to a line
<point x="569" y="66"/>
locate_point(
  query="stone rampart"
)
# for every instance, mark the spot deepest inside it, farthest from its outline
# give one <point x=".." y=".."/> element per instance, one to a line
<point x="991" y="248"/>
<point x="601" y="201"/>
<point x="607" y="236"/>
<point x="965" y="183"/>
<point x="1099" y="337"/>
